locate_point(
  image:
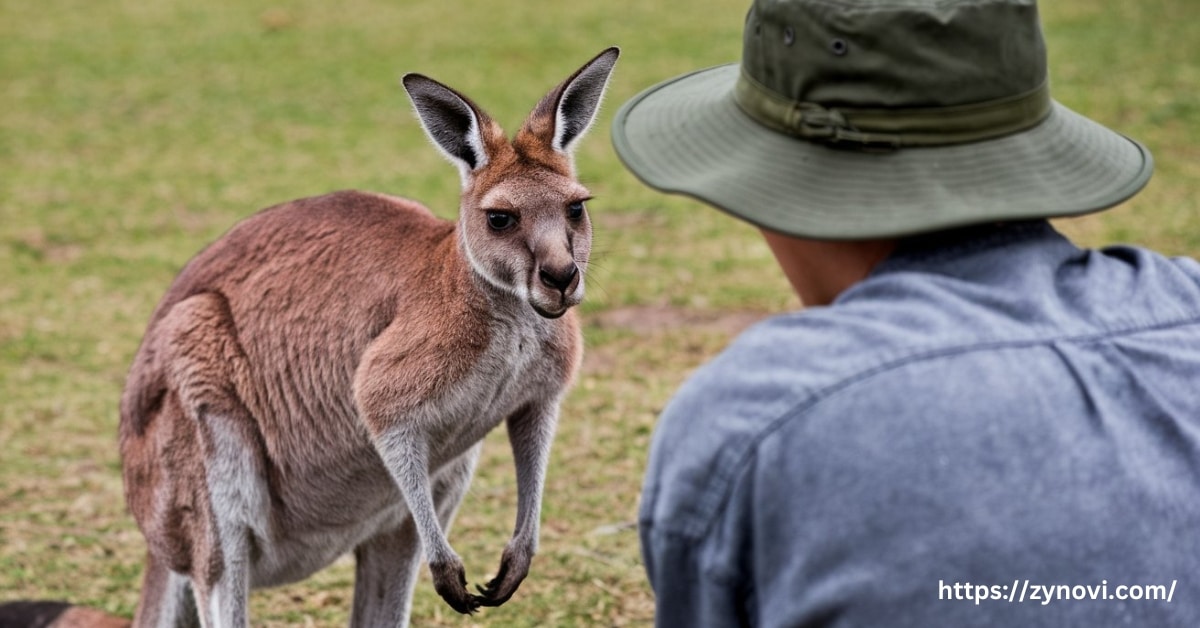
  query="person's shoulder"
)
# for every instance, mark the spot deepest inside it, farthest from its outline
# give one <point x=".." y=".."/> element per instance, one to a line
<point x="772" y="371"/>
<point x="797" y="355"/>
<point x="1150" y="284"/>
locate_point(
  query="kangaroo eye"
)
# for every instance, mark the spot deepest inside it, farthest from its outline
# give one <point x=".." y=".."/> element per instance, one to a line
<point x="575" y="210"/>
<point x="500" y="221"/>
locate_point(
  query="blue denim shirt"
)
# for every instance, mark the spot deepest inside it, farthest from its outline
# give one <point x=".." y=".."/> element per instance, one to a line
<point x="977" y="419"/>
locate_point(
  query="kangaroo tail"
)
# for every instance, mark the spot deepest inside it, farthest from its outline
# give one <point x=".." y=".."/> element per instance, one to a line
<point x="42" y="614"/>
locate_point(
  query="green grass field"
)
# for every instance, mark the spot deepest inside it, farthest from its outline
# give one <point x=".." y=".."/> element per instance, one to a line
<point x="133" y="133"/>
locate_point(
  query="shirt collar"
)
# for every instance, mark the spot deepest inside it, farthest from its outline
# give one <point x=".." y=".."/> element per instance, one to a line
<point x="958" y="251"/>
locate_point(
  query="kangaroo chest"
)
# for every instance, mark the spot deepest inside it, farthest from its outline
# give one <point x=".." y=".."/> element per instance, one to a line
<point x="513" y="374"/>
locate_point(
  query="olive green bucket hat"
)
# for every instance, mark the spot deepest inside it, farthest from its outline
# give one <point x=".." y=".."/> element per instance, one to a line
<point x="858" y="119"/>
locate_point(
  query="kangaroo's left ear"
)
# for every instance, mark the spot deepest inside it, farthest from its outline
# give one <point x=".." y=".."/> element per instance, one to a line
<point x="571" y="107"/>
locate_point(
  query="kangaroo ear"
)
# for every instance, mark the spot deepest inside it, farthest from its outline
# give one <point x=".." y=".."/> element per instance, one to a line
<point x="452" y="121"/>
<point x="574" y="104"/>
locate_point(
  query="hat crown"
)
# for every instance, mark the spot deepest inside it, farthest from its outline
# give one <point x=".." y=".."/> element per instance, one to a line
<point x="894" y="53"/>
<point x="859" y="119"/>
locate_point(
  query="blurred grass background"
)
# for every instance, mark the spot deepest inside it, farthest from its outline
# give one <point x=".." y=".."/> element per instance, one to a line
<point x="133" y="133"/>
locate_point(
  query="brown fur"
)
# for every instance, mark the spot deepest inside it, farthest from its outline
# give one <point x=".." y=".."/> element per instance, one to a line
<point x="261" y="269"/>
<point x="318" y="379"/>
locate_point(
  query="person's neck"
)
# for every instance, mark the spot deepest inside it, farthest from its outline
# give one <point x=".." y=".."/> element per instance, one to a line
<point x="820" y="270"/>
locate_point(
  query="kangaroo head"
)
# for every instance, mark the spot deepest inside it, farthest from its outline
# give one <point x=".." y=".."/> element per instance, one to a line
<point x="523" y="224"/>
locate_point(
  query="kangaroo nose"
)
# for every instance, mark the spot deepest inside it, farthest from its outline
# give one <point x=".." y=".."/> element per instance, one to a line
<point x="559" y="279"/>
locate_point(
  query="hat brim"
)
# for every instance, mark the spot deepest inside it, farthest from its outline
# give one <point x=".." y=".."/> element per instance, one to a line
<point x="688" y="136"/>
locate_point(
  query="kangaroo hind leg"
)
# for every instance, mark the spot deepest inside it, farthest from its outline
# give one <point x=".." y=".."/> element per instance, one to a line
<point x="166" y="600"/>
<point x="204" y="451"/>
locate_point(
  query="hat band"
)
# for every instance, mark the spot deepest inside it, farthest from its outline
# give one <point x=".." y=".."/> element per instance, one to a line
<point x="903" y="126"/>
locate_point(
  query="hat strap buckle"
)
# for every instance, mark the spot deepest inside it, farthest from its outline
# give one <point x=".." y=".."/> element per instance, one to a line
<point x="814" y="122"/>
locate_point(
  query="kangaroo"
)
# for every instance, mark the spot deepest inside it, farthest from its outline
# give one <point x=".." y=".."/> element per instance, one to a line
<point x="318" y="380"/>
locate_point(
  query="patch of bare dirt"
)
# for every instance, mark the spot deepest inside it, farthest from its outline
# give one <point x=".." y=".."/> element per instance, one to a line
<point x="663" y="334"/>
<point x="650" y="319"/>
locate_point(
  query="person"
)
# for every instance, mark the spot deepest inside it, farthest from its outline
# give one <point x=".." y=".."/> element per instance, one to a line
<point x="973" y="421"/>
